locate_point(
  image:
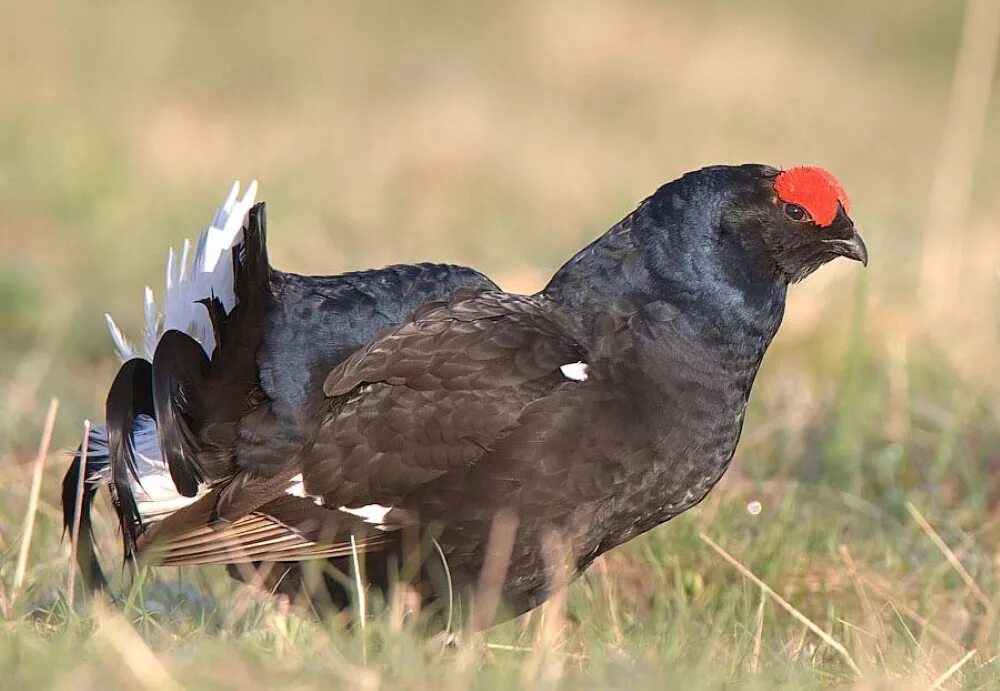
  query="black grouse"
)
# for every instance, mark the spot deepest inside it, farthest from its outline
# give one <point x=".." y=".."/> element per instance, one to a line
<point x="594" y="410"/>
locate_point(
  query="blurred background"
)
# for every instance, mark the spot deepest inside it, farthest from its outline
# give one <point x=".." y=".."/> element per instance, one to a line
<point x="502" y="135"/>
<point x="506" y="136"/>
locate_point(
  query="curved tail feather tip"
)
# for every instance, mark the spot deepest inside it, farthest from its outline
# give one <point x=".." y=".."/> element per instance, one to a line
<point x="192" y="279"/>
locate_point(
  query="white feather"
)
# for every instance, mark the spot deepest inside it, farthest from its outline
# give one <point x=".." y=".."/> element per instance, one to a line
<point x="185" y="253"/>
<point x="155" y="494"/>
<point x="122" y="345"/>
<point x="371" y="513"/>
<point x="297" y="488"/>
<point x="152" y="322"/>
<point x="190" y="279"/>
<point x="577" y="371"/>
<point x="208" y="274"/>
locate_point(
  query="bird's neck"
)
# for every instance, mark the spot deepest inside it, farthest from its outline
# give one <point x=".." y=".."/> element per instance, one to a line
<point x="676" y="318"/>
<point x="664" y="271"/>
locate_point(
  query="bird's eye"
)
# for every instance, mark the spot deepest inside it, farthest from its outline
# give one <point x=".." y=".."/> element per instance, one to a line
<point x="796" y="212"/>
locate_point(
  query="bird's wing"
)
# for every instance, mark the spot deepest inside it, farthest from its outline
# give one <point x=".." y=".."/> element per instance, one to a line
<point x="286" y="528"/>
<point x="434" y="395"/>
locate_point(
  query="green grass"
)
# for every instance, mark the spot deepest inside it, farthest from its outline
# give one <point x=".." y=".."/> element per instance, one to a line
<point x="506" y="136"/>
<point x="663" y="607"/>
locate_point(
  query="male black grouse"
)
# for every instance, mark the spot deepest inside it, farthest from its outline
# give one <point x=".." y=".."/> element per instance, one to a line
<point x="596" y="409"/>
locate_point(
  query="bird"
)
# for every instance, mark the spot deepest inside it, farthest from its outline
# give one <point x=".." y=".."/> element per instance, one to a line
<point x="581" y="416"/>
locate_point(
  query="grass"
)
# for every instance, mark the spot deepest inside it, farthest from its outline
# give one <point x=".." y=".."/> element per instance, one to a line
<point x="870" y="585"/>
<point x="505" y="137"/>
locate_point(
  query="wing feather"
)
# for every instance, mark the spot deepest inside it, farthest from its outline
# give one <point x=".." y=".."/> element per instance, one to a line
<point x="434" y="395"/>
<point x="288" y="528"/>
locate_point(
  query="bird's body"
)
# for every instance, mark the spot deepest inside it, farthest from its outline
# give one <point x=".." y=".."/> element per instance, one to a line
<point x="595" y="410"/>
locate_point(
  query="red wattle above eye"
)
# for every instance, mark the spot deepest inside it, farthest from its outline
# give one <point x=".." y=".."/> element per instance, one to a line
<point x="815" y="190"/>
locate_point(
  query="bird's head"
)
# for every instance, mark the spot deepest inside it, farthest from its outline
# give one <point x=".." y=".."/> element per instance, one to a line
<point x="796" y="218"/>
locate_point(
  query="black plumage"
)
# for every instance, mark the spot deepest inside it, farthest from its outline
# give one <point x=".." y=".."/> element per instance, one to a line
<point x="130" y="395"/>
<point x="604" y="405"/>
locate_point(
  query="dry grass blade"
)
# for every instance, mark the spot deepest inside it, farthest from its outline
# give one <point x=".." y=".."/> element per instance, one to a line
<point x="36" y="488"/>
<point x="499" y="548"/>
<point x="951" y="671"/>
<point x="608" y="588"/>
<point x="133" y="652"/>
<point x="256" y="580"/>
<point x="359" y="584"/>
<point x="924" y="622"/>
<point x="74" y="544"/>
<point x="874" y="620"/>
<point x="949" y="555"/>
<point x="542" y="663"/>
<point x="758" y="637"/>
<point x="829" y="640"/>
<point x="449" y="619"/>
<point x="526" y="649"/>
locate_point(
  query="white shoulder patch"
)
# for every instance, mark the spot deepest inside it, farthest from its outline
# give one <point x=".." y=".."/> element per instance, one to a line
<point x="577" y="371"/>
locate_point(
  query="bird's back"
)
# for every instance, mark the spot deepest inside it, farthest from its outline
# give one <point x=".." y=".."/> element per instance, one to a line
<point x="314" y="322"/>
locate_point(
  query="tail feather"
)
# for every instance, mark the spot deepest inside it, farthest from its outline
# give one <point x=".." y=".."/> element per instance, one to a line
<point x="146" y="496"/>
<point x="130" y="395"/>
<point x="122" y="344"/>
<point x="191" y="392"/>
<point x="96" y="472"/>
<point x="194" y="366"/>
<point x="209" y="275"/>
<point x="179" y="369"/>
<point x="191" y="279"/>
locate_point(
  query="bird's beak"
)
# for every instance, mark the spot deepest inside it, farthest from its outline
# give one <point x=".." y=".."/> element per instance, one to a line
<point x="852" y="248"/>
